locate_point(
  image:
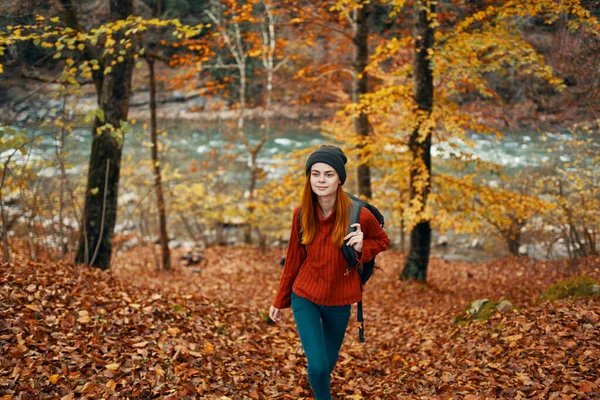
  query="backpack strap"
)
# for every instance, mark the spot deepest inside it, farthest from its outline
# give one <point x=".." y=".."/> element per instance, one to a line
<point x="350" y="255"/>
<point x="359" y="318"/>
<point x="300" y="226"/>
<point x="348" y="251"/>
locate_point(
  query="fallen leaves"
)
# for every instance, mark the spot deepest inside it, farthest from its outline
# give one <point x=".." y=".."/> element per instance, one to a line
<point x="133" y="333"/>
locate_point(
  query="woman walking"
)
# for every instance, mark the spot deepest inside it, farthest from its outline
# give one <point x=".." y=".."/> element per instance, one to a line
<point x="315" y="281"/>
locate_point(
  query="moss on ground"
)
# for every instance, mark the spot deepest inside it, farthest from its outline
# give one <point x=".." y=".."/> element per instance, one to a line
<point x="479" y="310"/>
<point x="581" y="286"/>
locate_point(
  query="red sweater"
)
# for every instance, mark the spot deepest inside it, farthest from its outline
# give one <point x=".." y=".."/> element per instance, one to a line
<point x="317" y="272"/>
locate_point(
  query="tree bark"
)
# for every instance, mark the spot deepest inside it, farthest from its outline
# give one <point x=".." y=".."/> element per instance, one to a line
<point x="360" y="87"/>
<point x="420" y="142"/>
<point x="100" y="210"/>
<point x="160" y="199"/>
<point x="513" y="244"/>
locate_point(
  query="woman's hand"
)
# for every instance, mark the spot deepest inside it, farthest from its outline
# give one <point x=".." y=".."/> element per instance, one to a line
<point x="275" y="314"/>
<point x="355" y="238"/>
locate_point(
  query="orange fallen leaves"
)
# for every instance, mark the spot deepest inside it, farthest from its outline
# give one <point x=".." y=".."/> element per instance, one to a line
<point x="129" y="333"/>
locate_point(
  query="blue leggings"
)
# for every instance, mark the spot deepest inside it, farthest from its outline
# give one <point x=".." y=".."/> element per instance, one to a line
<point x="321" y="330"/>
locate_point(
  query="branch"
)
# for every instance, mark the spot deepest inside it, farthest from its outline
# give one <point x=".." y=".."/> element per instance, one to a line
<point x="346" y="70"/>
<point x="221" y="66"/>
<point x="148" y="55"/>
<point x="71" y="20"/>
<point x="45" y="79"/>
<point x="234" y="52"/>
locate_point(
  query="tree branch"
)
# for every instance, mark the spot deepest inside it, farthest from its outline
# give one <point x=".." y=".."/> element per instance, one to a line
<point x="71" y="20"/>
<point x="45" y="79"/>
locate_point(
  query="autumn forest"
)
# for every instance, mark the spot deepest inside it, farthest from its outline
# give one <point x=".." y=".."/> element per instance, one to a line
<point x="152" y="153"/>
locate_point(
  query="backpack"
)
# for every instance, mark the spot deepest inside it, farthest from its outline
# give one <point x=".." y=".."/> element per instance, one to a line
<point x="365" y="270"/>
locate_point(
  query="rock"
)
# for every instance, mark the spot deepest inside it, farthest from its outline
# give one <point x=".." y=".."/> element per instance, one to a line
<point x="442" y="241"/>
<point x="476" y="305"/>
<point x="504" y="306"/>
<point x="128" y="244"/>
<point x="174" y="244"/>
<point x="22" y="117"/>
<point x="476" y="244"/>
<point x="192" y="258"/>
<point x="523" y="250"/>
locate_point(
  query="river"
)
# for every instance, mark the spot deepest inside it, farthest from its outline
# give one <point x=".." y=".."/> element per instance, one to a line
<point x="191" y="141"/>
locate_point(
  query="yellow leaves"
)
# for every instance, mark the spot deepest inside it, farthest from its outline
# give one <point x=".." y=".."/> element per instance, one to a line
<point x="84" y="317"/>
<point x="208" y="348"/>
<point x="513" y="338"/>
<point x="112" y="367"/>
<point x="254" y="52"/>
<point x="53" y="379"/>
<point x="34" y="307"/>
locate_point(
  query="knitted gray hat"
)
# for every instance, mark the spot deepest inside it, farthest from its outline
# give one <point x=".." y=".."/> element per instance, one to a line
<point x="329" y="155"/>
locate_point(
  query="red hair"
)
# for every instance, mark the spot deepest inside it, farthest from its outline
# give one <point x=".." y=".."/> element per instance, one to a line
<point x="310" y="218"/>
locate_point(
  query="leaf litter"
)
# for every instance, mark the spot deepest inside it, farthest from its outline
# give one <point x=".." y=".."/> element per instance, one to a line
<point x="69" y="332"/>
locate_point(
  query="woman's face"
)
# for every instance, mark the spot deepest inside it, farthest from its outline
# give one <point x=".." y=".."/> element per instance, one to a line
<point x="324" y="181"/>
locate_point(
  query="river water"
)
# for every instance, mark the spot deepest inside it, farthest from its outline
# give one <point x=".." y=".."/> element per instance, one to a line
<point x="188" y="141"/>
<point x="191" y="141"/>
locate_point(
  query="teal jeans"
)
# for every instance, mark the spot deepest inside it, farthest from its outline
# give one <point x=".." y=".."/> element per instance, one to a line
<point x="321" y="330"/>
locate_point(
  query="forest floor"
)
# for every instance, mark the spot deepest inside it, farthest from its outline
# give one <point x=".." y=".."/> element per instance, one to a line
<point x="203" y="332"/>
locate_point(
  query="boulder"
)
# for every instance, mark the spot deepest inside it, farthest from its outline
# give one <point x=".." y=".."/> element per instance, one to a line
<point x="476" y="305"/>
<point x="192" y="258"/>
<point x="477" y="244"/>
<point x="442" y="241"/>
<point x="504" y="306"/>
<point x="523" y="250"/>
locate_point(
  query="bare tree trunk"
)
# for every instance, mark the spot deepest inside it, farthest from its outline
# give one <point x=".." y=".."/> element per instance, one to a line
<point x="100" y="210"/>
<point x="160" y="200"/>
<point x="402" y="236"/>
<point x="513" y="244"/>
<point x="63" y="179"/>
<point x="5" y="244"/>
<point x="420" y="142"/>
<point x="361" y="87"/>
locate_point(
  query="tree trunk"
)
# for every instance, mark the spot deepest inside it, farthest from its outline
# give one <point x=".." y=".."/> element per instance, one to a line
<point x="513" y="244"/>
<point x="160" y="200"/>
<point x="3" y="214"/>
<point x="360" y="87"/>
<point x="420" y="142"/>
<point x="100" y="210"/>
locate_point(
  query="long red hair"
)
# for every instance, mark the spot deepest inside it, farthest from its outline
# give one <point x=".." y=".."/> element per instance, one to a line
<point x="310" y="216"/>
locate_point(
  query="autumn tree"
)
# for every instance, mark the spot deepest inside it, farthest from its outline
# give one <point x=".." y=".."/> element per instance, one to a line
<point x="151" y="58"/>
<point x="113" y="91"/>
<point x="106" y="56"/>
<point x="247" y="32"/>
<point x="360" y="28"/>
<point x="573" y="189"/>
<point x="342" y="26"/>
<point x="420" y="141"/>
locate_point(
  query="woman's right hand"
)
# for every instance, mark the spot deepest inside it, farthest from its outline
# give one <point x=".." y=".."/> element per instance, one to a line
<point x="275" y="314"/>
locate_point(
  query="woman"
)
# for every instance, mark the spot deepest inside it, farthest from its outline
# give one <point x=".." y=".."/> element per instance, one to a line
<point x="315" y="282"/>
